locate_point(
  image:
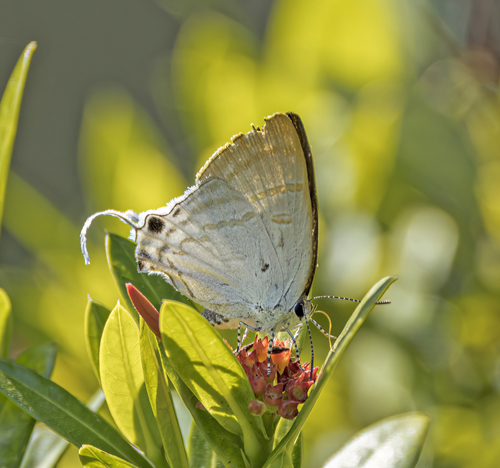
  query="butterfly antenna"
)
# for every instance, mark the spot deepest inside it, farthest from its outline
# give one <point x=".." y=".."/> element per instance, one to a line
<point x="386" y="301"/>
<point x="127" y="218"/>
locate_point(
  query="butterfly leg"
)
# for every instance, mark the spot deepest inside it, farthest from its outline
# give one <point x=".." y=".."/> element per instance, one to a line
<point x="294" y="339"/>
<point x="269" y="352"/>
<point x="321" y="329"/>
<point x="241" y="340"/>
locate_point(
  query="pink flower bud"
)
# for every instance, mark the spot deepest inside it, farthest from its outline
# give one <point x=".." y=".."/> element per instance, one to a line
<point x="257" y="407"/>
<point x="145" y="309"/>
<point x="288" y="409"/>
<point x="273" y="395"/>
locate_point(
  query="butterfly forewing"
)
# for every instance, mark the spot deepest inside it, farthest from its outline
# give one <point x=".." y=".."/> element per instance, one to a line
<point x="242" y="242"/>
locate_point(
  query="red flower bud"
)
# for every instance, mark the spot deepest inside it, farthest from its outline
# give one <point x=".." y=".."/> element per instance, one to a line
<point x="145" y="309"/>
<point x="257" y="407"/>
<point x="258" y="384"/>
<point x="273" y="395"/>
<point x="288" y="409"/>
<point x="297" y="390"/>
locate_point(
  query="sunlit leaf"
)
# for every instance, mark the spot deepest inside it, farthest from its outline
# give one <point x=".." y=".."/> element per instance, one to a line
<point x="96" y="316"/>
<point x="161" y="400"/>
<point x="62" y="412"/>
<point x="46" y="447"/>
<point x="6" y="324"/>
<point x="122" y="381"/>
<point x="227" y="446"/>
<point x="123" y="266"/>
<point x="92" y="457"/>
<point x="394" y="442"/>
<point x="221" y="385"/>
<point x="10" y="106"/>
<point x="350" y="329"/>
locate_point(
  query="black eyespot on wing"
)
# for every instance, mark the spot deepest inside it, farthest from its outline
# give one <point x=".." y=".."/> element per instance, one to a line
<point x="140" y="265"/>
<point x="155" y="224"/>
<point x="264" y="267"/>
<point x="176" y="212"/>
<point x="299" y="310"/>
<point x="144" y="254"/>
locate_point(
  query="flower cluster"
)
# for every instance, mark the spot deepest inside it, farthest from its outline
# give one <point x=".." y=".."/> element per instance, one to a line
<point x="284" y="388"/>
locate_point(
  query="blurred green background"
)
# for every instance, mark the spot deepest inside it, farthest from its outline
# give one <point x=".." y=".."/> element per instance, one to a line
<point x="126" y="100"/>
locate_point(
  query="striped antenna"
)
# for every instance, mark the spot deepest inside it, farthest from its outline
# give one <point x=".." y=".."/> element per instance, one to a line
<point x="386" y="301"/>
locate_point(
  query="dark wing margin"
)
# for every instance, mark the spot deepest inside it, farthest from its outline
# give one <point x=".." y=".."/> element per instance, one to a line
<point x="306" y="149"/>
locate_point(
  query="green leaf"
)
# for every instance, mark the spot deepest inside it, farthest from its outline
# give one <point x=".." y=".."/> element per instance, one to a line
<point x="122" y="381"/>
<point x="9" y="116"/>
<point x="161" y="399"/>
<point x="46" y="448"/>
<point x="352" y="326"/>
<point x="6" y="324"/>
<point x="62" y="412"/>
<point x="123" y="266"/>
<point x="96" y="316"/>
<point x="212" y="372"/>
<point x="201" y="454"/>
<point x="227" y="446"/>
<point x="394" y="442"/>
<point x="92" y="457"/>
<point x="16" y="426"/>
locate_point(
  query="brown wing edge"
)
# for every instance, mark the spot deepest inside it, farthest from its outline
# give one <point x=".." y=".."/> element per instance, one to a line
<point x="301" y="132"/>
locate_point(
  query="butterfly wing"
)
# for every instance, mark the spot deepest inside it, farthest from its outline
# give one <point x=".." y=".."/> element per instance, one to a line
<point x="243" y="241"/>
<point x="274" y="168"/>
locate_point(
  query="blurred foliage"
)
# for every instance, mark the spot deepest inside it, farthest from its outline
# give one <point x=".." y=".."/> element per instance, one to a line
<point x="401" y="105"/>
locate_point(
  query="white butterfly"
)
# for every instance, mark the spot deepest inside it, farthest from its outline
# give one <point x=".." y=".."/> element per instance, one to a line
<point x="243" y="241"/>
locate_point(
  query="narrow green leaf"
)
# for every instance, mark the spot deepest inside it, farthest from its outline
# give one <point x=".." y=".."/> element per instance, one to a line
<point x="352" y="326"/>
<point x="6" y="324"/>
<point x="62" y="412"/>
<point x="96" y="316"/>
<point x="201" y="454"/>
<point x="123" y="266"/>
<point x="46" y="448"/>
<point x="16" y="426"/>
<point x="227" y="446"/>
<point x="92" y="457"/>
<point x="9" y="116"/>
<point x="122" y="381"/>
<point x="394" y="442"/>
<point x="161" y="399"/>
<point x="297" y="452"/>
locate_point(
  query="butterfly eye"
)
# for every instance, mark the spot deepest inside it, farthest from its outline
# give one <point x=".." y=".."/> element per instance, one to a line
<point x="299" y="309"/>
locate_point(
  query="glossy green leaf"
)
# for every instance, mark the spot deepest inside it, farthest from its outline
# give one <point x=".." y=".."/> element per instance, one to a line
<point x="62" y="412"/>
<point x="122" y="381"/>
<point x="16" y="425"/>
<point x="212" y="372"/>
<point x="350" y="329"/>
<point x="227" y="446"/>
<point x="161" y="399"/>
<point x="9" y="115"/>
<point x="6" y="324"/>
<point x="123" y="266"/>
<point x="297" y="452"/>
<point x="200" y="452"/>
<point x="46" y="448"/>
<point x="96" y="316"/>
<point x="394" y="442"/>
<point x="92" y="457"/>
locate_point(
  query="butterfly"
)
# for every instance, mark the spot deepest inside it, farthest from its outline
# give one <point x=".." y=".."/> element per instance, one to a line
<point x="243" y="241"/>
